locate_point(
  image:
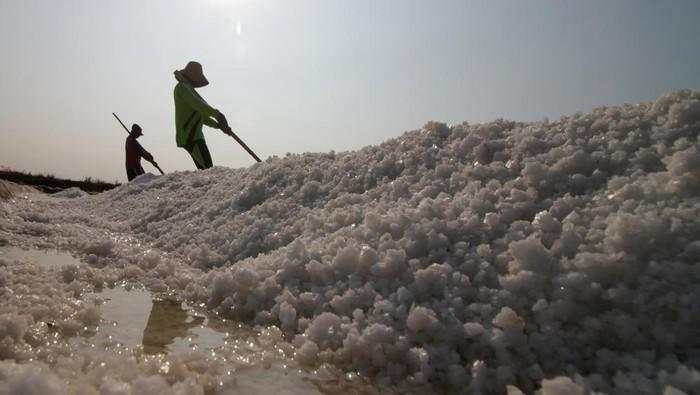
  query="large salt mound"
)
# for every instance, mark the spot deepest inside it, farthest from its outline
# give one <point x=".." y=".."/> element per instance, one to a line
<point x="560" y="255"/>
<point x="9" y="190"/>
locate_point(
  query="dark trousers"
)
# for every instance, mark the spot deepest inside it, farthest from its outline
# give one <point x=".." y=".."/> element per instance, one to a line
<point x="200" y="154"/>
<point x="132" y="173"/>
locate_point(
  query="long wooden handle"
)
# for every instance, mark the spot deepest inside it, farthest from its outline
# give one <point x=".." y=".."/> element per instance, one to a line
<point x="158" y="167"/>
<point x="122" y="123"/>
<point x="223" y="124"/>
<point x="250" y="151"/>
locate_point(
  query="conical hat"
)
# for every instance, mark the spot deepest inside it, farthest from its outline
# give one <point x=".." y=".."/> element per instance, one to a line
<point x="193" y="73"/>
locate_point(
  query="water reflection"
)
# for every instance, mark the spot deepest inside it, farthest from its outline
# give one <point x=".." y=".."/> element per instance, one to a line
<point x="134" y="318"/>
<point x="167" y="321"/>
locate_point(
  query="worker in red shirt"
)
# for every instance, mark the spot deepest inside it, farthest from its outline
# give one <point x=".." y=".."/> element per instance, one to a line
<point x="134" y="153"/>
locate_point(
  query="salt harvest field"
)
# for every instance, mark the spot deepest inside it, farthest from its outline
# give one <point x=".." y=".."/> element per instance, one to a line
<point x="559" y="256"/>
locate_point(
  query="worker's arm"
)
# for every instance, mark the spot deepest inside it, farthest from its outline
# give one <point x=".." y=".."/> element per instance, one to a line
<point x="211" y="123"/>
<point x="223" y="124"/>
<point x="220" y="123"/>
<point x="143" y="153"/>
<point x="198" y="104"/>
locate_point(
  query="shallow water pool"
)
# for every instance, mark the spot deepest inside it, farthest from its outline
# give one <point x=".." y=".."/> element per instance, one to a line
<point x="134" y="318"/>
<point x="128" y="321"/>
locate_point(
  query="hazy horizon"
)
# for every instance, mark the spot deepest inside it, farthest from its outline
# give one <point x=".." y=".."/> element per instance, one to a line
<point x="308" y="76"/>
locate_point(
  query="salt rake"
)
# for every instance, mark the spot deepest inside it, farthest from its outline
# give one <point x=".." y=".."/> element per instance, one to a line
<point x="232" y="134"/>
<point x="245" y="147"/>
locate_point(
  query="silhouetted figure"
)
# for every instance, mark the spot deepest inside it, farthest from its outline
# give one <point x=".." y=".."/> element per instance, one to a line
<point x="134" y="153"/>
<point x="167" y="321"/>
<point x="192" y="111"/>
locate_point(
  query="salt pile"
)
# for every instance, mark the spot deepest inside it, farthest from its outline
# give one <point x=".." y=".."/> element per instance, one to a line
<point x="559" y="256"/>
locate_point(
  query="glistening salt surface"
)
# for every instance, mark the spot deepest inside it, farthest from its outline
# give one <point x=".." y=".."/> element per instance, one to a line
<point x="114" y="330"/>
<point x="133" y="319"/>
<point x="43" y="257"/>
<point x="557" y="255"/>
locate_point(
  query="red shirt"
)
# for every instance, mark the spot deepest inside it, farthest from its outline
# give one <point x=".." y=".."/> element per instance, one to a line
<point x="134" y="153"/>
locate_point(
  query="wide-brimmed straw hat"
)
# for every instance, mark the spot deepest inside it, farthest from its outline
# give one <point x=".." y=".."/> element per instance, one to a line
<point x="193" y="73"/>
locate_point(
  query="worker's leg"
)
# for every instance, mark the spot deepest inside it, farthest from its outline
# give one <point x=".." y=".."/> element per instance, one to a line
<point x="131" y="173"/>
<point x="205" y="153"/>
<point x="200" y="154"/>
<point x="196" y="155"/>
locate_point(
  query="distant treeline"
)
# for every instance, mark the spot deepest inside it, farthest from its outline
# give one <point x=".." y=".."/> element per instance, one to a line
<point x="50" y="184"/>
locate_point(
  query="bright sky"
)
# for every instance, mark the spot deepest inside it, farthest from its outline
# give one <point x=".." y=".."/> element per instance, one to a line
<point x="300" y="76"/>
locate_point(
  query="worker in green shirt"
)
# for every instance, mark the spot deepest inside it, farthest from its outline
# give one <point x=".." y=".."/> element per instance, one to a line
<point x="192" y="111"/>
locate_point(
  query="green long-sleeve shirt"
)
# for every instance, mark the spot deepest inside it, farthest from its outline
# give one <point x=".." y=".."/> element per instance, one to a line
<point x="191" y="111"/>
